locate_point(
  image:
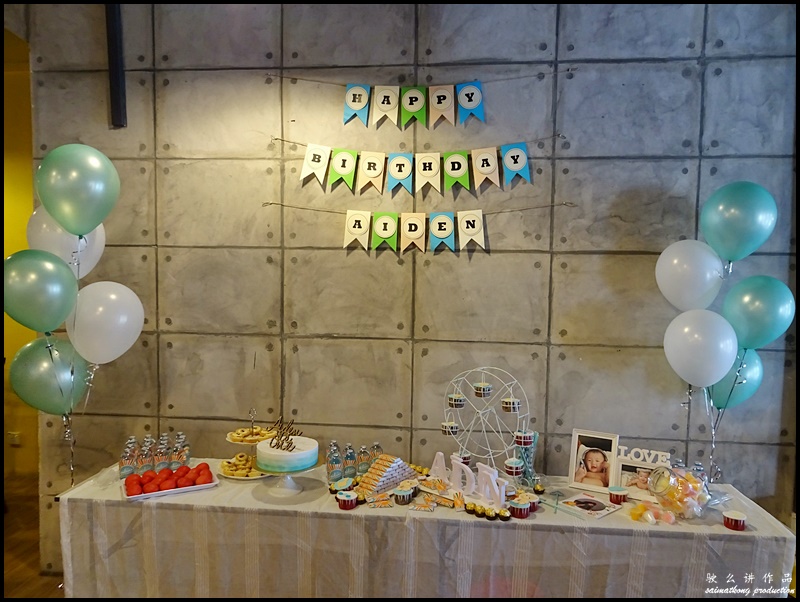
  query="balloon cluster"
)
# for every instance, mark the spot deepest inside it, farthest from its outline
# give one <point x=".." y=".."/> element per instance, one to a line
<point x="77" y="187"/>
<point x="717" y="351"/>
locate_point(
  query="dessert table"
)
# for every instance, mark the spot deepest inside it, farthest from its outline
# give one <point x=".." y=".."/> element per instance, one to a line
<point x="259" y="539"/>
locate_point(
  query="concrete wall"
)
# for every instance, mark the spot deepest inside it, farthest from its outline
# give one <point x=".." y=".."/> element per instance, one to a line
<point x="251" y="301"/>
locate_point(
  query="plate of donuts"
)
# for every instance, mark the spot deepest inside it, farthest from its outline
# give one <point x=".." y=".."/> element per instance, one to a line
<point x="242" y="467"/>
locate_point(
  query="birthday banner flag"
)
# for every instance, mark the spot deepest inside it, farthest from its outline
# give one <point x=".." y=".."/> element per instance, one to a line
<point x="485" y="166"/>
<point x="442" y="230"/>
<point x="371" y="170"/>
<point x="427" y="171"/>
<point x="356" y="102"/>
<point x="401" y="171"/>
<point x="412" y="105"/>
<point x="470" y="101"/>
<point x="385" y="104"/>
<point x="343" y="166"/>
<point x="412" y="230"/>
<point x="384" y="230"/>
<point x="515" y="161"/>
<point x="316" y="162"/>
<point x="356" y="228"/>
<point x="456" y="169"/>
<point x="470" y="228"/>
<point x="441" y="100"/>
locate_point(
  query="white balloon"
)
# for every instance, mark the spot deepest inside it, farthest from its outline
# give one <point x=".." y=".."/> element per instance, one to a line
<point x="701" y="347"/>
<point x="689" y="274"/>
<point x="106" y="322"/>
<point x="80" y="253"/>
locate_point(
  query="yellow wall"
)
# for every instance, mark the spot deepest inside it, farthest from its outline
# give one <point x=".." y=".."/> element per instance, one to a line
<point x="17" y="209"/>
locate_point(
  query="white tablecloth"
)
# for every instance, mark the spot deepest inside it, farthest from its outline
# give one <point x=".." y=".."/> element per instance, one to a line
<point x="243" y="539"/>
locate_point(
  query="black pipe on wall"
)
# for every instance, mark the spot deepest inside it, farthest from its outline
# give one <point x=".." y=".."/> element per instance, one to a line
<point x="116" y="66"/>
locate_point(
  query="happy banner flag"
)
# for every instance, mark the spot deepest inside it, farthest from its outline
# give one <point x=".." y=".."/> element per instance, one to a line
<point x="343" y="166"/>
<point x="385" y="104"/>
<point x="470" y="227"/>
<point x="427" y="171"/>
<point x="470" y="101"/>
<point x="442" y="230"/>
<point x="456" y="169"/>
<point x="356" y="102"/>
<point x="515" y="161"/>
<point x="371" y="170"/>
<point x="316" y="162"/>
<point x="401" y="171"/>
<point x="485" y="166"/>
<point x="441" y="100"/>
<point x="384" y="230"/>
<point x="412" y="104"/>
<point x="356" y="228"/>
<point x="412" y="230"/>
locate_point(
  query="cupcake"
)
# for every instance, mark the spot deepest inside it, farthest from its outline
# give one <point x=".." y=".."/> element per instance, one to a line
<point x="403" y="497"/>
<point x="519" y="508"/>
<point x="347" y="499"/>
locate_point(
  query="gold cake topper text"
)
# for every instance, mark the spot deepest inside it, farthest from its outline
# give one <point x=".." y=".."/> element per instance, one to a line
<point x="283" y="436"/>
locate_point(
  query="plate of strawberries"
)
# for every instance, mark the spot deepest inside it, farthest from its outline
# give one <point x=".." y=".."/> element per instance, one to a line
<point x="166" y="481"/>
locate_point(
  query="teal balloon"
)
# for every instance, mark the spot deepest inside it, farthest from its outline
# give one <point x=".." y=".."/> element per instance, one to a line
<point x="760" y="309"/>
<point x="39" y="289"/>
<point x="737" y="219"/>
<point x="78" y="186"/>
<point x="49" y="375"/>
<point x="741" y="382"/>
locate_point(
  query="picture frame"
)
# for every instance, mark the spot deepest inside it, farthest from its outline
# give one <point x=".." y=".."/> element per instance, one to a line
<point x="598" y="470"/>
<point x="633" y="475"/>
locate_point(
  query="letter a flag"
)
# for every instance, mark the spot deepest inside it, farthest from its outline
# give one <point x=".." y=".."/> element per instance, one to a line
<point x="316" y="162"/>
<point x="515" y="161"/>
<point x="385" y="104"/>
<point x="356" y="228"/>
<point x="485" y="166"/>
<point x="356" y="102"/>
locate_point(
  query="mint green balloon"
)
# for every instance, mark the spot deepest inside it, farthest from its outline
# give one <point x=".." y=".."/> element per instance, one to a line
<point x="49" y="375"/>
<point x="39" y="289"/>
<point x="760" y="309"/>
<point x="741" y="382"/>
<point x="737" y="219"/>
<point x="78" y="186"/>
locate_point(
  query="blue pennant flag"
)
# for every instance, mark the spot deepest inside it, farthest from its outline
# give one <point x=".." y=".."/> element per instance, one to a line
<point x="515" y="161"/>
<point x="442" y="230"/>
<point x="401" y="171"/>
<point x="470" y="101"/>
<point x="356" y="102"/>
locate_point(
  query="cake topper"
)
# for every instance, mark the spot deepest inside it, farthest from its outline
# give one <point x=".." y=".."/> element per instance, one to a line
<point x="283" y="436"/>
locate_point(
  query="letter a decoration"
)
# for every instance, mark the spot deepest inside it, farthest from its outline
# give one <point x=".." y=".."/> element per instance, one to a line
<point x="356" y="228"/>
<point x="385" y="104"/>
<point x="356" y="102"/>
<point x="515" y="161"/>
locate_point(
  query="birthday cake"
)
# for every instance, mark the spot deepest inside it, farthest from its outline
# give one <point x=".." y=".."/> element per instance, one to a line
<point x="272" y="459"/>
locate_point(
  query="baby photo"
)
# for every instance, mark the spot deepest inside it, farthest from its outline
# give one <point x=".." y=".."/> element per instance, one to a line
<point x="593" y="460"/>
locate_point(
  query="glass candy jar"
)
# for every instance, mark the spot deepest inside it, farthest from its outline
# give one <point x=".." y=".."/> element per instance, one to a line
<point x="679" y="491"/>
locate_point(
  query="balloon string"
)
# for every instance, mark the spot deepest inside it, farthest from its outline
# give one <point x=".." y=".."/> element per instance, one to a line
<point x="53" y="358"/>
<point x="68" y="436"/>
<point x="77" y="258"/>
<point x="714" y="472"/>
<point x="89" y="382"/>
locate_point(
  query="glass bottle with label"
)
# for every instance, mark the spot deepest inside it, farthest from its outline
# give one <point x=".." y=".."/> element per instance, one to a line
<point x="350" y="461"/>
<point x="364" y="460"/>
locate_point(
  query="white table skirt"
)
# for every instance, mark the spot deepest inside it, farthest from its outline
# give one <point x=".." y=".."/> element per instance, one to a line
<point x="240" y="539"/>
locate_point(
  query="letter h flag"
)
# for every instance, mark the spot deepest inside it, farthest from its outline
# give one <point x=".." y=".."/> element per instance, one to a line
<point x="356" y="102"/>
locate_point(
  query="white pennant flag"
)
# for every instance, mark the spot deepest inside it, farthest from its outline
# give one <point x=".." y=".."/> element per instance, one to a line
<point x="371" y="170"/>
<point x="385" y="104"/>
<point x="356" y="228"/>
<point x="412" y="230"/>
<point x="316" y="162"/>
<point x="470" y="227"/>
<point x="485" y="166"/>
<point x="428" y="171"/>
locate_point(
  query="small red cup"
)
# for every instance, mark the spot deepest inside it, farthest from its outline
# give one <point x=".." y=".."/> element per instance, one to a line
<point x="736" y="521"/>
<point x="617" y="495"/>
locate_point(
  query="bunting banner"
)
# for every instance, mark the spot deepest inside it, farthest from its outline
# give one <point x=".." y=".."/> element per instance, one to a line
<point x="385" y="104"/>
<point x="356" y="102"/>
<point x="515" y="161"/>
<point x="427" y="171"/>
<point x="456" y="169"/>
<point x="370" y="170"/>
<point x="356" y="228"/>
<point x="343" y="166"/>
<point x="442" y="230"/>
<point x="470" y="228"/>
<point x="412" y="105"/>
<point x="316" y="162"/>
<point x="485" y="166"/>
<point x="384" y="230"/>
<point x="412" y="230"/>
<point x="401" y="171"/>
<point x="441" y="100"/>
<point x="470" y="101"/>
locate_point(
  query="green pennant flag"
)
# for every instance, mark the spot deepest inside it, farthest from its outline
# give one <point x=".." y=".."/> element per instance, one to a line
<point x="384" y="230"/>
<point x="456" y="169"/>
<point x="413" y="105"/>
<point x="343" y="166"/>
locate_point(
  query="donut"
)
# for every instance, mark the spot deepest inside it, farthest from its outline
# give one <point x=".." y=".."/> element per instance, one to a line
<point x="240" y="458"/>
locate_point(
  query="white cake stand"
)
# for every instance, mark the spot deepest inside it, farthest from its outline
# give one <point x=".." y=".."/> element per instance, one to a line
<point x="285" y="485"/>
